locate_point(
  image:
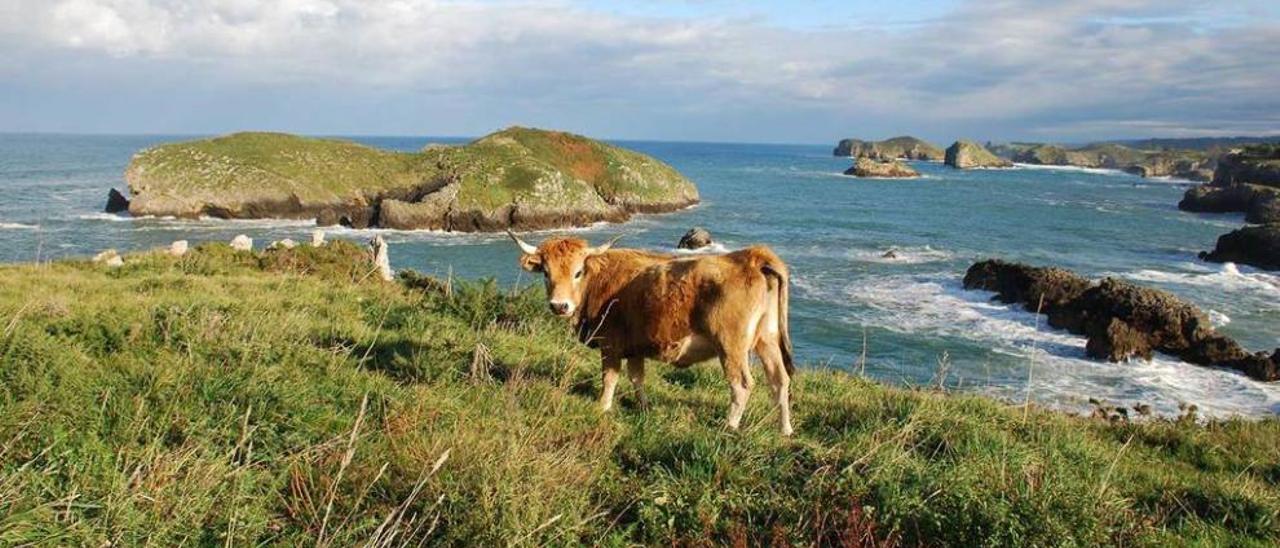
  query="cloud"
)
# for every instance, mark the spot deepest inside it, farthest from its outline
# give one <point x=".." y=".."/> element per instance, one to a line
<point x="996" y="69"/>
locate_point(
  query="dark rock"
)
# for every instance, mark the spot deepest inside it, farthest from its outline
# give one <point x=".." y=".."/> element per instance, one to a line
<point x="866" y="167"/>
<point x="1257" y="164"/>
<point x="116" y="202"/>
<point x="1121" y="320"/>
<point x="1257" y="246"/>
<point x="890" y="254"/>
<point x="696" y="238"/>
<point x="1260" y="204"/>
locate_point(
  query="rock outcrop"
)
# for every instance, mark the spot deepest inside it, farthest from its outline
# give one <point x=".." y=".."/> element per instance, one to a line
<point x="1121" y="320"/>
<point x="897" y="148"/>
<point x="1247" y="181"/>
<point x="1260" y="204"/>
<point x="516" y="178"/>
<point x="969" y="155"/>
<point x="1256" y="164"/>
<point x="1257" y="246"/>
<point x="116" y="202"/>
<point x="696" y="238"/>
<point x="866" y="167"/>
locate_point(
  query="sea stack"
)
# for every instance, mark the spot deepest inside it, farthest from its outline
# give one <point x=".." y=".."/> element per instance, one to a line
<point x="884" y="169"/>
<point x="970" y="155"/>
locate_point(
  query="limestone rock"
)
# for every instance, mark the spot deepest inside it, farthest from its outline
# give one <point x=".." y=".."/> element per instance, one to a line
<point x="178" y="248"/>
<point x="242" y="243"/>
<point x="1257" y="246"/>
<point x="894" y="169"/>
<point x="969" y="155"/>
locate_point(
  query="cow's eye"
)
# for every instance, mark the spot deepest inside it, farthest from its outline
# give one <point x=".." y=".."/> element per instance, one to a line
<point x="578" y="275"/>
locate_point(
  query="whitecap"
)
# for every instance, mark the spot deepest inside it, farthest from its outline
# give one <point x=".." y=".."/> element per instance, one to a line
<point x="900" y="255"/>
<point x="715" y="248"/>
<point x="1227" y="277"/>
<point x="1062" y="375"/>
<point x="18" y="226"/>
<point x="1076" y="169"/>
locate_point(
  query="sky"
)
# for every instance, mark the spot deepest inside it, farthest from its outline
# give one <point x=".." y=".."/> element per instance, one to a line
<point x="699" y="70"/>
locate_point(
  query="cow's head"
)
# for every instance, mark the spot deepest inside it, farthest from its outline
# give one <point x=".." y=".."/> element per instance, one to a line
<point x="563" y="264"/>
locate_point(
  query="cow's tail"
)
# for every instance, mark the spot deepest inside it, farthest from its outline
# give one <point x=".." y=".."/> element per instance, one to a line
<point x="777" y="271"/>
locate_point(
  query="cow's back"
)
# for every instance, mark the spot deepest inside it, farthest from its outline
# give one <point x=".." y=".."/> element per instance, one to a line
<point x="671" y="304"/>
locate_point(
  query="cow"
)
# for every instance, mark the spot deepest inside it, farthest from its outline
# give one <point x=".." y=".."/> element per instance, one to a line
<point x="635" y="305"/>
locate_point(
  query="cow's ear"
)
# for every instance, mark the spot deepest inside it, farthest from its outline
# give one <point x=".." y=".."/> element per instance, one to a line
<point x="531" y="262"/>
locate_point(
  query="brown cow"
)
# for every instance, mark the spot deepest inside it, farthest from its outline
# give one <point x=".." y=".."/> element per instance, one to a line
<point x="635" y="304"/>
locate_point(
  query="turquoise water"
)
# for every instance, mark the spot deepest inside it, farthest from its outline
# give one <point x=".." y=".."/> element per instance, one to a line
<point x="833" y="230"/>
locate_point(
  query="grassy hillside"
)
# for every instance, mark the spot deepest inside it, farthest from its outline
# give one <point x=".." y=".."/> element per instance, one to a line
<point x="290" y="398"/>
<point x="553" y="177"/>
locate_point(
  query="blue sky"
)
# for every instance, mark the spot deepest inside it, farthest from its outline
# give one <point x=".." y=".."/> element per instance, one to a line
<point x="751" y="71"/>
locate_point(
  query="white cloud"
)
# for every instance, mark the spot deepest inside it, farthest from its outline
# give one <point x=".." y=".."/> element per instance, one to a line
<point x="985" y="64"/>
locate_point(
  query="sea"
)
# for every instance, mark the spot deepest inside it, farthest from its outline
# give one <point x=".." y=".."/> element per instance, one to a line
<point x="903" y="319"/>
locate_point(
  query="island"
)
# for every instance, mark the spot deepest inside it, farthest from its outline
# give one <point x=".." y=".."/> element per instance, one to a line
<point x="881" y="169"/>
<point x="520" y="178"/>
<point x="896" y="148"/>
<point x="970" y="155"/>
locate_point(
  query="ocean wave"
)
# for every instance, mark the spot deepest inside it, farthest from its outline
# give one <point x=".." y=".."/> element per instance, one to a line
<point x="18" y="226"/>
<point x="901" y="255"/>
<point x="715" y="248"/>
<point x="1075" y="169"/>
<point x="1062" y="375"/>
<point x="1227" y="277"/>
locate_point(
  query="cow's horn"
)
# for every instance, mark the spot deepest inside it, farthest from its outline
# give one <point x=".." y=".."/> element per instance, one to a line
<point x="605" y="246"/>
<point x="526" y="248"/>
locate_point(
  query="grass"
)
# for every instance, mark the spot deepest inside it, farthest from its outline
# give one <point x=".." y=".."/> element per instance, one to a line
<point x="532" y="167"/>
<point x="290" y="398"/>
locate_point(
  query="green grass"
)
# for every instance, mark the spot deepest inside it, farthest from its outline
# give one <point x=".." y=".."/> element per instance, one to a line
<point x="290" y="398"/>
<point x="533" y="167"/>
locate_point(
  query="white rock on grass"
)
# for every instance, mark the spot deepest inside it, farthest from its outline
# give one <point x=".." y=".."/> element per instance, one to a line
<point x="317" y="238"/>
<point x="283" y="244"/>
<point x="242" y="243"/>
<point x="110" y="258"/>
<point x="381" y="257"/>
<point x="178" y="248"/>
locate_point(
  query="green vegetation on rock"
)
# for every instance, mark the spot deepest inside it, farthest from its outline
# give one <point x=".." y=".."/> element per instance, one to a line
<point x="896" y="148"/>
<point x="518" y="177"/>
<point x="156" y="403"/>
<point x="968" y="155"/>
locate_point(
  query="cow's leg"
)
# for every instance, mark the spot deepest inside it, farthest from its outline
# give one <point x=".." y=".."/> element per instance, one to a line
<point x="737" y="369"/>
<point x="635" y="370"/>
<point x="779" y="381"/>
<point x="612" y="366"/>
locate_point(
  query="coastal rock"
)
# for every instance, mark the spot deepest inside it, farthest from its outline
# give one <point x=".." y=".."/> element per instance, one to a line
<point x="1260" y="204"/>
<point x="1120" y="320"/>
<point x="429" y="213"/>
<point x="516" y="178"/>
<point x="896" y="148"/>
<point x="178" y="248"/>
<point x="696" y="238"/>
<point x="317" y="238"/>
<point x="242" y="243"/>
<point x="116" y="202"/>
<point x="866" y="167"/>
<point x="1257" y="246"/>
<point x="969" y="155"/>
<point x="1189" y="165"/>
<point x="1256" y="165"/>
